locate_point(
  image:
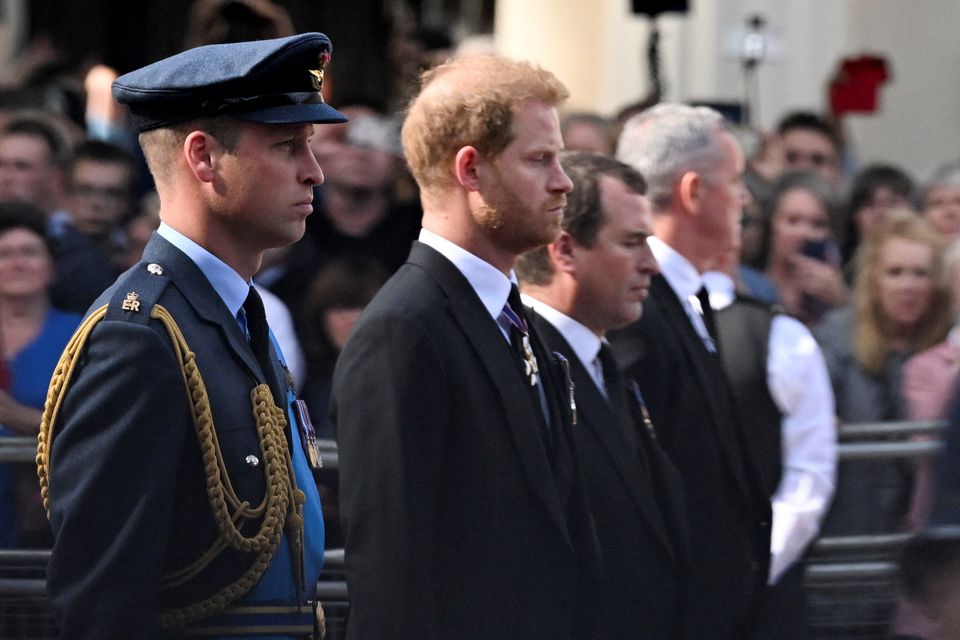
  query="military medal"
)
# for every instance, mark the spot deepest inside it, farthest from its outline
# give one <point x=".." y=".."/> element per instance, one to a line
<point x="308" y="435"/>
<point x="530" y="367"/>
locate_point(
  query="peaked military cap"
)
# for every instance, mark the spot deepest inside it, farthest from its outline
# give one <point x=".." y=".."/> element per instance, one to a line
<point x="275" y="81"/>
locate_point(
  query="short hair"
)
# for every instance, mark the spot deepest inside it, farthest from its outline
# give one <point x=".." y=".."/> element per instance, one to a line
<point x="668" y="140"/>
<point x="810" y="121"/>
<point x="470" y="102"/>
<point x="603" y="125"/>
<point x="42" y="128"/>
<point x="105" y="153"/>
<point x="870" y="341"/>
<point x="15" y="214"/>
<point x="584" y="215"/>
<point x="946" y="175"/>
<point x="161" y="145"/>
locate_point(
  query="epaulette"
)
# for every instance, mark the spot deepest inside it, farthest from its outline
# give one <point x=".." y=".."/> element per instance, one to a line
<point x="136" y="293"/>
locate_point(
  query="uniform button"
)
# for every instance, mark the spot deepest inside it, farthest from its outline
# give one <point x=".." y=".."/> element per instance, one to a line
<point x="253" y="460"/>
<point x="764" y="524"/>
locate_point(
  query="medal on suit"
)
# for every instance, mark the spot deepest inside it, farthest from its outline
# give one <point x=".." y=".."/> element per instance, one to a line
<point x="529" y="361"/>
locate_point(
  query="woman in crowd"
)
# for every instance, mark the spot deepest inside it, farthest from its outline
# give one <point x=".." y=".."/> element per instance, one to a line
<point x="941" y="200"/>
<point x="801" y="257"/>
<point x="877" y="190"/>
<point x="900" y="306"/>
<point x="32" y="335"/>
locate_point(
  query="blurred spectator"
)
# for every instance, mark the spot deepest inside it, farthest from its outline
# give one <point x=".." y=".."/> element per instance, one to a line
<point x="137" y="230"/>
<point x="876" y="190"/>
<point x="801" y="256"/>
<point x="33" y="334"/>
<point x="221" y="21"/>
<point x="929" y="379"/>
<point x="355" y="211"/>
<point x="33" y="156"/>
<point x="101" y="179"/>
<point x="941" y="200"/>
<point x="811" y="143"/>
<point x="589" y="132"/>
<point x="338" y="294"/>
<point x="899" y="307"/>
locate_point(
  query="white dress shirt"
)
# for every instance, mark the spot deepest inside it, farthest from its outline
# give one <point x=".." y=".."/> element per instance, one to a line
<point x="584" y="342"/>
<point x="491" y="285"/>
<point x="685" y="281"/>
<point x="233" y="290"/>
<point x="799" y="384"/>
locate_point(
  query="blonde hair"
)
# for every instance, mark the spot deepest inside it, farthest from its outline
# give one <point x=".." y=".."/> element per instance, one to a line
<point x="470" y="102"/>
<point x="161" y="146"/>
<point x="871" y="333"/>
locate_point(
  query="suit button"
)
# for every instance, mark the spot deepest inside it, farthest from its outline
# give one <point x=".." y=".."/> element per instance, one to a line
<point x="764" y="524"/>
<point x="754" y="566"/>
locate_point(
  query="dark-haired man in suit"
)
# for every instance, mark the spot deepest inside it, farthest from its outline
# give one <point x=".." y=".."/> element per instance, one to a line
<point x="463" y="508"/>
<point x="694" y="171"/>
<point x="594" y="278"/>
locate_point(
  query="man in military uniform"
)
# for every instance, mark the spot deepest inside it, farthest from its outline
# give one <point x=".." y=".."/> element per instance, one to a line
<point x="173" y="456"/>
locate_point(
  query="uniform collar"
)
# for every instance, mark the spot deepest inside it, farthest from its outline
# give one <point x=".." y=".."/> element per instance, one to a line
<point x="228" y="284"/>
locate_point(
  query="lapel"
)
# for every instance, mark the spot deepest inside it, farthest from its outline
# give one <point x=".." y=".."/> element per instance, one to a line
<point x="709" y="377"/>
<point x="493" y="352"/>
<point x="615" y="432"/>
<point x="200" y="294"/>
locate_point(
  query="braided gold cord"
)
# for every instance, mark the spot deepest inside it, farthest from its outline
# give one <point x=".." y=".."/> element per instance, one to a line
<point x="228" y="510"/>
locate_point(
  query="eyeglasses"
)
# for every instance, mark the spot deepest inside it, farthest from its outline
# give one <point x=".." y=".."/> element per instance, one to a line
<point x="115" y="194"/>
<point x="815" y="159"/>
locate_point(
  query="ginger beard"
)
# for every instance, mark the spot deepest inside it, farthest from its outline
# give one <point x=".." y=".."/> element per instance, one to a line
<point x="514" y="225"/>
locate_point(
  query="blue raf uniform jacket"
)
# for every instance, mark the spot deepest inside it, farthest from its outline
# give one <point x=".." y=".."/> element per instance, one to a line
<point x="128" y="494"/>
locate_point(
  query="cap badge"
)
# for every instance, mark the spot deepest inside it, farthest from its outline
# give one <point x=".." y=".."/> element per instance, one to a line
<point x="317" y="74"/>
<point x="131" y="302"/>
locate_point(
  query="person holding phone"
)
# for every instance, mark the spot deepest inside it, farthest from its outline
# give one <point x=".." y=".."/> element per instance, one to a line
<point x="802" y="257"/>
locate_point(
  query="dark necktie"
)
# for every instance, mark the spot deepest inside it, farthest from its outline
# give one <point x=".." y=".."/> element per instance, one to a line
<point x="522" y="349"/>
<point x="708" y="318"/>
<point x="617" y="394"/>
<point x="259" y="332"/>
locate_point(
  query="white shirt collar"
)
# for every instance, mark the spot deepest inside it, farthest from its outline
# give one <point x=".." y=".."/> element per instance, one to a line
<point x="681" y="275"/>
<point x="721" y="288"/>
<point x="230" y="286"/>
<point x="584" y="342"/>
<point x="489" y="282"/>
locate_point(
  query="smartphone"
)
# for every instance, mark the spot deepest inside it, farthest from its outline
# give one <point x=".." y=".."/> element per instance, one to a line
<point x="824" y="250"/>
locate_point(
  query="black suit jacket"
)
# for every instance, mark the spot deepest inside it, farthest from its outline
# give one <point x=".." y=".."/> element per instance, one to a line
<point x="128" y="492"/>
<point x="458" y="523"/>
<point x="690" y="402"/>
<point x="636" y="498"/>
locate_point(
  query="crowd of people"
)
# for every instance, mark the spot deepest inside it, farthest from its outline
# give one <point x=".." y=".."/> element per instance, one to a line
<point x="585" y="374"/>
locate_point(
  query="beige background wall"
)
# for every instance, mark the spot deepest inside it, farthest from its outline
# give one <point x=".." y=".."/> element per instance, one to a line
<point x="599" y="49"/>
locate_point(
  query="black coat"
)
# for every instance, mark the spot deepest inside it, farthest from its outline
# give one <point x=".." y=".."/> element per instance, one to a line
<point x="636" y="498"/>
<point x="457" y="525"/>
<point x="690" y="402"/>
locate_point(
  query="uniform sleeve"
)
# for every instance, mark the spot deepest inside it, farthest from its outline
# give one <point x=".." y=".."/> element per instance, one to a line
<point x="800" y="385"/>
<point x="390" y="408"/>
<point x="113" y="470"/>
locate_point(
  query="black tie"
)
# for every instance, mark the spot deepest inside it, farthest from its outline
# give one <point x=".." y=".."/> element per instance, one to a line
<point x="617" y="394"/>
<point x="260" y="341"/>
<point x="708" y="318"/>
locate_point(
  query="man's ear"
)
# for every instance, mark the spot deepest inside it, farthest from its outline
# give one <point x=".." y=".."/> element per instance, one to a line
<point x="202" y="152"/>
<point x="689" y="188"/>
<point x="466" y="166"/>
<point x="562" y="252"/>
